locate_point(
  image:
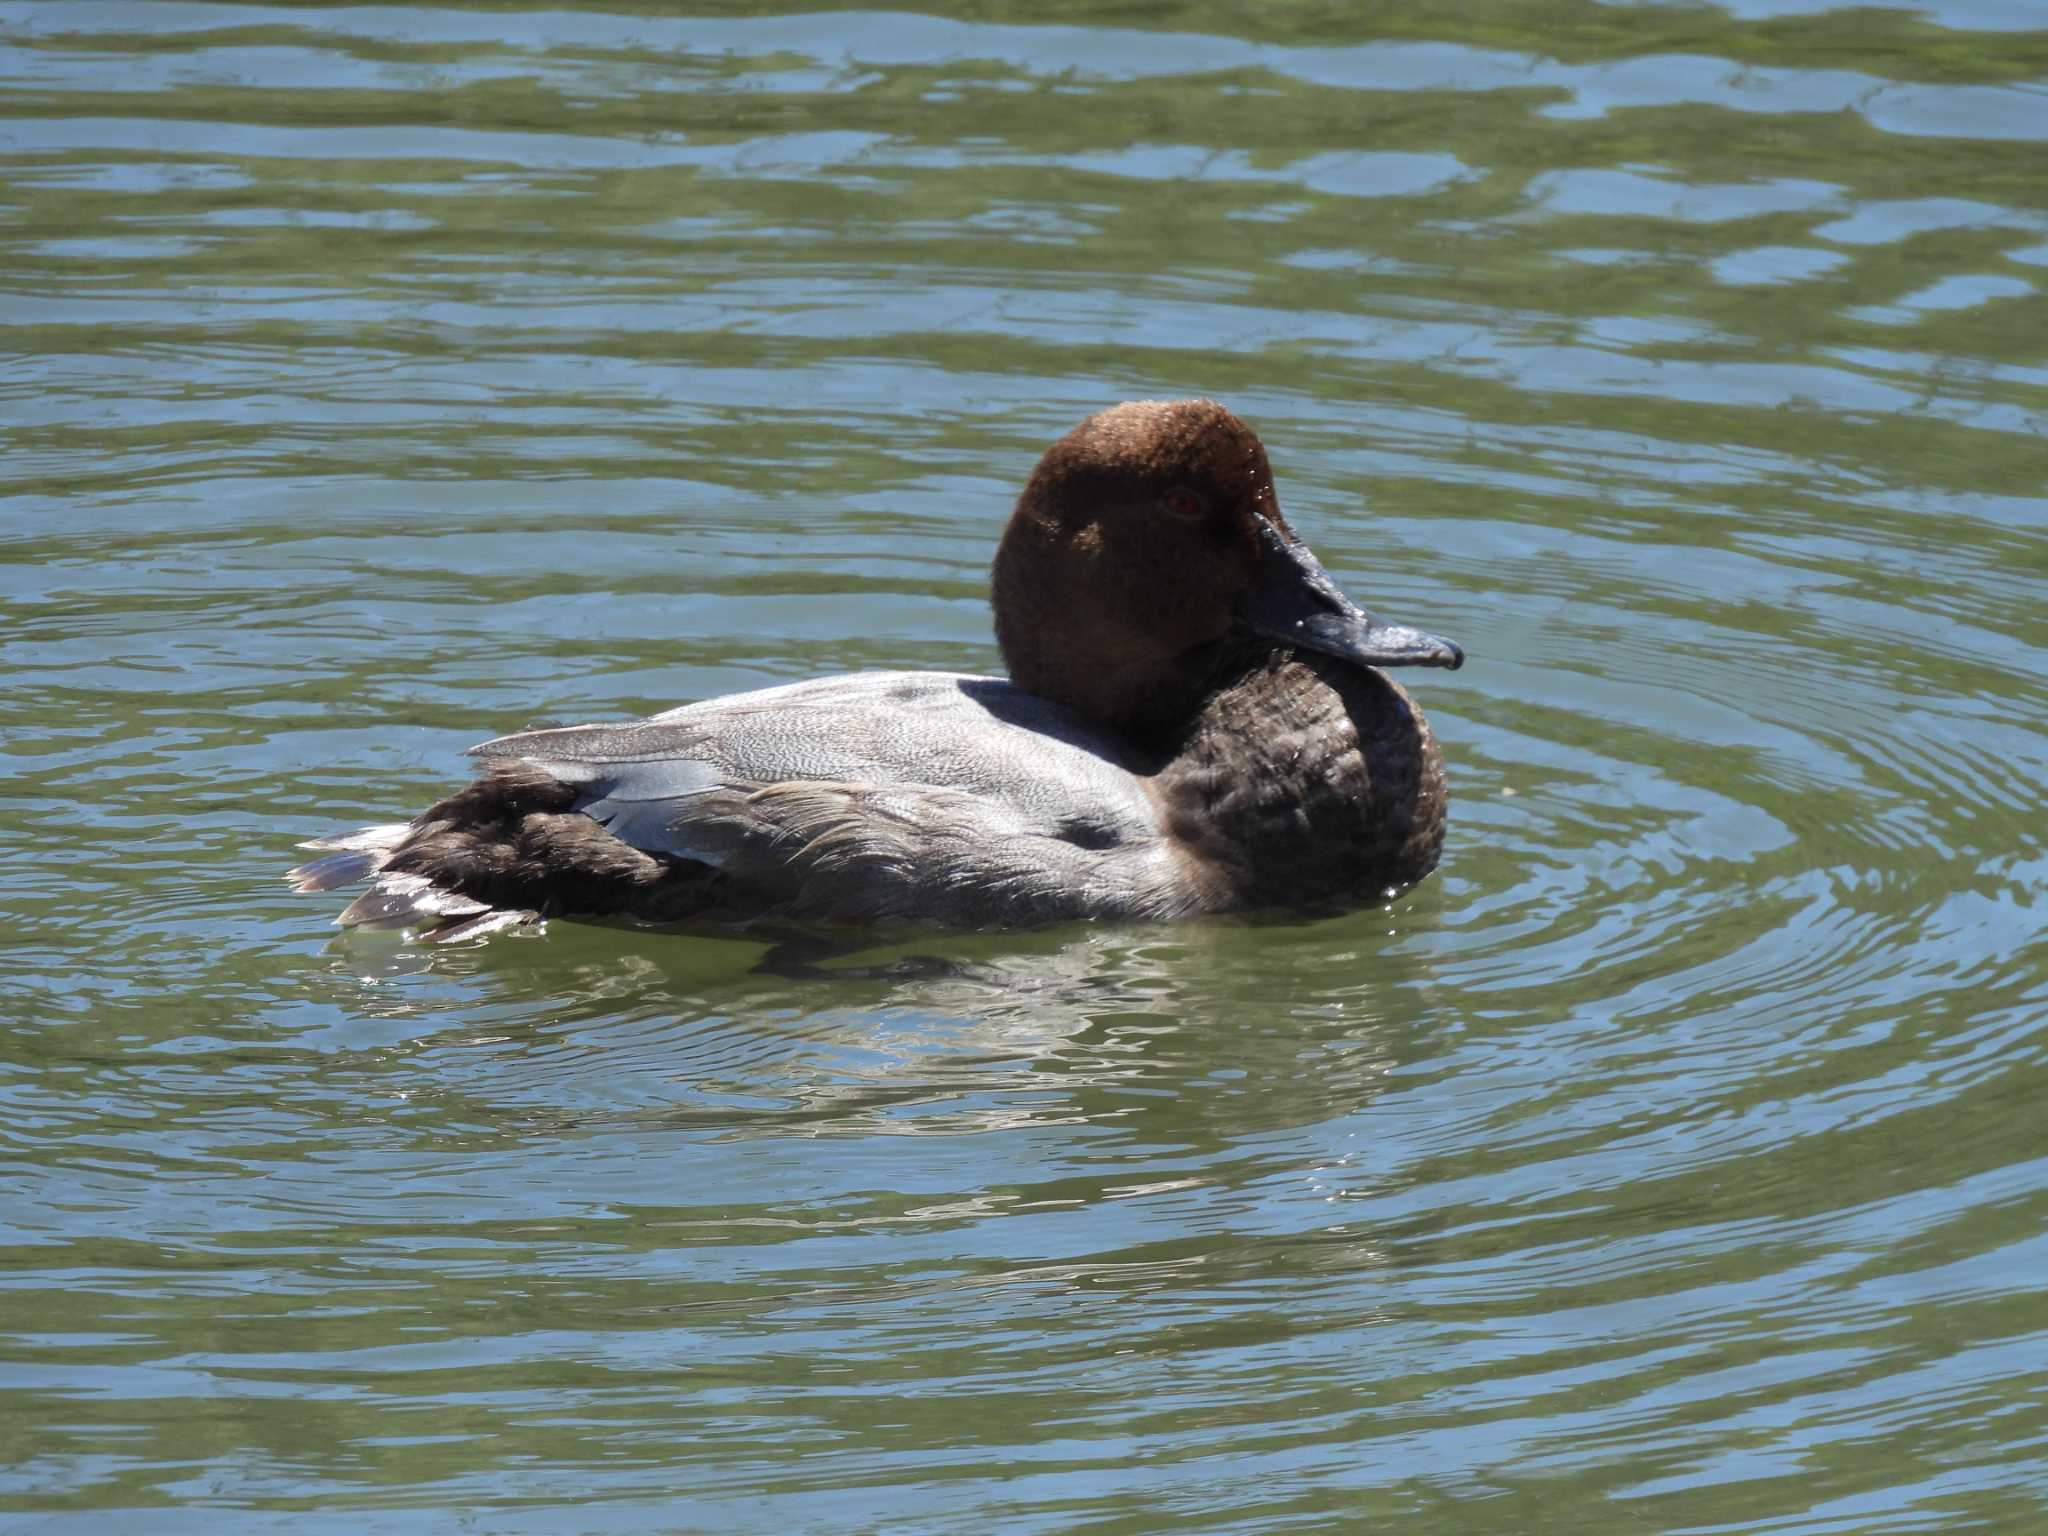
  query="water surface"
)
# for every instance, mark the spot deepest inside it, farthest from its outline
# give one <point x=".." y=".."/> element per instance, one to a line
<point x="380" y="378"/>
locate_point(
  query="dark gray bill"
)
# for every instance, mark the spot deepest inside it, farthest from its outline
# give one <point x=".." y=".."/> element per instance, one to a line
<point x="1295" y="601"/>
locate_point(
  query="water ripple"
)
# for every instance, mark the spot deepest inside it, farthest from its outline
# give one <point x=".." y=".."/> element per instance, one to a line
<point x="389" y="376"/>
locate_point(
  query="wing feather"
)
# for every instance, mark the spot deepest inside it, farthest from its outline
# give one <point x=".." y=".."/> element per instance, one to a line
<point x="922" y="796"/>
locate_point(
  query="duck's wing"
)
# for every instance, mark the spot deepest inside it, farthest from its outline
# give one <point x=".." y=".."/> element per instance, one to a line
<point x="927" y="796"/>
<point x="879" y="796"/>
<point x="1031" y="764"/>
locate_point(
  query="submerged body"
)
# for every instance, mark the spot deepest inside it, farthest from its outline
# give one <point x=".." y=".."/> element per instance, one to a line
<point x="1177" y="754"/>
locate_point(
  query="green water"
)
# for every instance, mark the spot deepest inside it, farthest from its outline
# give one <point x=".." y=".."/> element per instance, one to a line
<point x="377" y="379"/>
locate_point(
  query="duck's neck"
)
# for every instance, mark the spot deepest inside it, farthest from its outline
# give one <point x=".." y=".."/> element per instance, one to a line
<point x="1146" y="701"/>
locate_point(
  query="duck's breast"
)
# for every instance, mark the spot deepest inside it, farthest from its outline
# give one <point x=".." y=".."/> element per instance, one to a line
<point x="1307" y="782"/>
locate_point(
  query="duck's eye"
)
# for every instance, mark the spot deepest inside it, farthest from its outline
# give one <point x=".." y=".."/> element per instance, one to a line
<point x="1182" y="502"/>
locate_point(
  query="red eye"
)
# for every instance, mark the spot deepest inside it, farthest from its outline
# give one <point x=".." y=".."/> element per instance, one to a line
<point x="1183" y="503"/>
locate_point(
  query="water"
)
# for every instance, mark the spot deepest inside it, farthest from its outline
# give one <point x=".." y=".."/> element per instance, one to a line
<point x="382" y="378"/>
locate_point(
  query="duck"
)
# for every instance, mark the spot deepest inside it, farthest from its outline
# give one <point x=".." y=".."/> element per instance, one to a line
<point x="1196" y="720"/>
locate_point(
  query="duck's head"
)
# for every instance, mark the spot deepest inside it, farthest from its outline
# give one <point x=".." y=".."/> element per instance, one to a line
<point x="1147" y="542"/>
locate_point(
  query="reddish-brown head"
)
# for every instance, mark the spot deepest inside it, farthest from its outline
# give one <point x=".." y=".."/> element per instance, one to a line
<point x="1149" y="538"/>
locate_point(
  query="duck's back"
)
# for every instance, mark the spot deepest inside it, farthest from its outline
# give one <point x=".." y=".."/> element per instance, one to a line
<point x="1027" y="762"/>
<point x="929" y="797"/>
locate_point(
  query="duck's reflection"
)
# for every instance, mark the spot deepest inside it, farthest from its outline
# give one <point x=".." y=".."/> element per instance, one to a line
<point x="1187" y="1035"/>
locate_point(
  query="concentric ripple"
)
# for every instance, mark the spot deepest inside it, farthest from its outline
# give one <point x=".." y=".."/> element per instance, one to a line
<point x="381" y="378"/>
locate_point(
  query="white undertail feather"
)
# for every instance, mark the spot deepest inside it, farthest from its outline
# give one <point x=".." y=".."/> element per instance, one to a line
<point x="383" y="837"/>
<point x="396" y="900"/>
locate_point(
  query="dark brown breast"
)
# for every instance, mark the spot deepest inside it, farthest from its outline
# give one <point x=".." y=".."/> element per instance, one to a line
<point x="1306" y="782"/>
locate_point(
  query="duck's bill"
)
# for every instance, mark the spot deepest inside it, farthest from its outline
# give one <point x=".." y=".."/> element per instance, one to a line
<point x="1363" y="637"/>
<point x="1295" y="601"/>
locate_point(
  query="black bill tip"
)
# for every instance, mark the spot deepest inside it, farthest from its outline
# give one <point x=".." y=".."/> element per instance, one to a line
<point x="1295" y="601"/>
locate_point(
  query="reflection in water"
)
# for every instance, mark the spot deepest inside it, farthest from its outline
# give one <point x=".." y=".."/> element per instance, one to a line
<point x="1113" y="1029"/>
<point x="385" y="378"/>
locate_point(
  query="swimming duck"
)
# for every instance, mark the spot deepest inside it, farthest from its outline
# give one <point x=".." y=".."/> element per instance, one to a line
<point x="1195" y="721"/>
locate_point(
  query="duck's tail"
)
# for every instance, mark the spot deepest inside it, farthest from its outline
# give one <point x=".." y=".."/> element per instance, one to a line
<point x="351" y="856"/>
<point x="396" y="898"/>
<point x="504" y="851"/>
